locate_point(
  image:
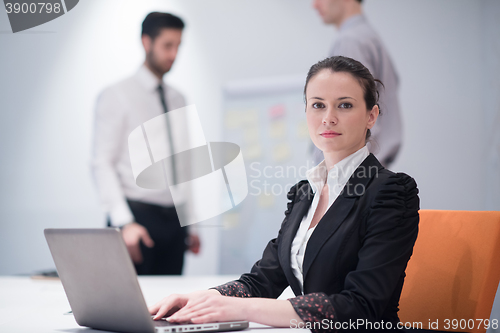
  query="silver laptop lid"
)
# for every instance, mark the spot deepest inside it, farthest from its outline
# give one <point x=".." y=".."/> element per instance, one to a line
<point x="99" y="279"/>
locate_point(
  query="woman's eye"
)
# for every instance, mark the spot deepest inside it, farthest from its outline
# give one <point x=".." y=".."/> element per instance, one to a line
<point x="318" y="105"/>
<point x="345" y="106"/>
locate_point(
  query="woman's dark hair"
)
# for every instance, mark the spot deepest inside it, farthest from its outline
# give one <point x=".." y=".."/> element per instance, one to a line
<point x="156" y="21"/>
<point x="357" y="70"/>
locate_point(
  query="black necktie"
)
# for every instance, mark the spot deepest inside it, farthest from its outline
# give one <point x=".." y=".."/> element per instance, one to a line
<point x="169" y="133"/>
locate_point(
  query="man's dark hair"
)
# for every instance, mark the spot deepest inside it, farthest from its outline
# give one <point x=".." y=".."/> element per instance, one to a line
<point x="156" y="21"/>
<point x="360" y="1"/>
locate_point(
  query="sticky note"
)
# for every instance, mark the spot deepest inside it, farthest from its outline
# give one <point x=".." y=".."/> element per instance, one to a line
<point x="232" y="120"/>
<point x="277" y="129"/>
<point x="252" y="152"/>
<point x="302" y="131"/>
<point x="265" y="200"/>
<point x="277" y="111"/>
<point x="281" y="152"/>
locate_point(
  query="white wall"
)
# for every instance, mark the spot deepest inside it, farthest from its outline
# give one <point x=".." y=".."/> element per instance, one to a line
<point x="51" y="75"/>
<point x="490" y="85"/>
<point x="436" y="46"/>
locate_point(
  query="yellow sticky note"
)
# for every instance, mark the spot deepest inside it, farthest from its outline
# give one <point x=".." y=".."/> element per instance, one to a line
<point x="302" y="131"/>
<point x="232" y="120"/>
<point x="251" y="134"/>
<point x="277" y="129"/>
<point x="265" y="200"/>
<point x="230" y="220"/>
<point x="282" y="152"/>
<point x="250" y="117"/>
<point x="252" y="152"/>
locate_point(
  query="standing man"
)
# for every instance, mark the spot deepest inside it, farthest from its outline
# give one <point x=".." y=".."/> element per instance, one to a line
<point x="359" y="41"/>
<point x="148" y="219"/>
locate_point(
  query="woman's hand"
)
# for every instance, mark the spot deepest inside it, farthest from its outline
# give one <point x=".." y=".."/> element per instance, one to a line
<point x="174" y="302"/>
<point x="211" y="308"/>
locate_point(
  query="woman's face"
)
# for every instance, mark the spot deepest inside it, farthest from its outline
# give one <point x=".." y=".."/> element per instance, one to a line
<point x="336" y="112"/>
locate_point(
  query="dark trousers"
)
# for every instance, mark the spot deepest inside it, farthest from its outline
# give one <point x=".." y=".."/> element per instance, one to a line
<point x="162" y="223"/>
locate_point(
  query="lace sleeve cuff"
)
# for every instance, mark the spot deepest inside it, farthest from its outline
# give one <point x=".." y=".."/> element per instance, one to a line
<point x="315" y="308"/>
<point x="233" y="288"/>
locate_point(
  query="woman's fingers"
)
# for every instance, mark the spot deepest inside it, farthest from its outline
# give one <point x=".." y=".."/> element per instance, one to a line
<point x="181" y="315"/>
<point x="192" y="307"/>
<point x="208" y="318"/>
<point x="213" y="308"/>
<point x="192" y="314"/>
<point x="153" y="309"/>
<point x="183" y="307"/>
<point x="162" y="311"/>
<point x="167" y="305"/>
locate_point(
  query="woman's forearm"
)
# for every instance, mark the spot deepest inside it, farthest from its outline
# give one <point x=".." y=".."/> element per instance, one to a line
<point x="272" y="312"/>
<point x="210" y="306"/>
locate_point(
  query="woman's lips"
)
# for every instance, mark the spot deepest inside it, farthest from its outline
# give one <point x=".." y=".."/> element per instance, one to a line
<point x="329" y="134"/>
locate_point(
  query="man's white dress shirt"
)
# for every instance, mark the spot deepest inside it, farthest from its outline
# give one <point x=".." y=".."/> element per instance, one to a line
<point x="120" y="109"/>
<point x="336" y="178"/>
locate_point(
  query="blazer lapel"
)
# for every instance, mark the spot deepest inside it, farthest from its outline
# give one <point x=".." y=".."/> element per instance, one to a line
<point x="339" y="210"/>
<point x="300" y="209"/>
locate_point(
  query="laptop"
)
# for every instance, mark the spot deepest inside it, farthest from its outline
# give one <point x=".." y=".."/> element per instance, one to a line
<point x="102" y="287"/>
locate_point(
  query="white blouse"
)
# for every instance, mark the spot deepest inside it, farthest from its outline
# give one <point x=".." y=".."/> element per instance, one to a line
<point x="336" y="178"/>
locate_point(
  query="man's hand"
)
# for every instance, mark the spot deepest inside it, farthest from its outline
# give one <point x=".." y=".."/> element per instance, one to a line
<point x="133" y="233"/>
<point x="193" y="242"/>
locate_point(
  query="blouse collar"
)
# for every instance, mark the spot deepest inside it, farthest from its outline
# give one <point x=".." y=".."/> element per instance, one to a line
<point x="338" y="176"/>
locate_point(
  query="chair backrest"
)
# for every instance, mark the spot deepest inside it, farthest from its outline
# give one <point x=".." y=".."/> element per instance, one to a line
<point x="454" y="270"/>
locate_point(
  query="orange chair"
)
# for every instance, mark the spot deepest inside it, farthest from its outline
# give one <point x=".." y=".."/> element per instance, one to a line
<point x="454" y="271"/>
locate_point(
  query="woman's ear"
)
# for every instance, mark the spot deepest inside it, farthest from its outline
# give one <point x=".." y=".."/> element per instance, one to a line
<point x="372" y="118"/>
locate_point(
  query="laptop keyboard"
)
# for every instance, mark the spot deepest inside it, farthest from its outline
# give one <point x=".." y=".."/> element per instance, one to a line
<point x="163" y="322"/>
<point x="167" y="323"/>
<point x="191" y="327"/>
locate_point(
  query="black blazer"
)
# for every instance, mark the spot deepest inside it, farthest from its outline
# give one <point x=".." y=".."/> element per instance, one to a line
<point x="357" y="254"/>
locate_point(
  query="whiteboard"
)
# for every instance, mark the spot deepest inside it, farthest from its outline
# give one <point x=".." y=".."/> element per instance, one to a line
<point x="266" y="118"/>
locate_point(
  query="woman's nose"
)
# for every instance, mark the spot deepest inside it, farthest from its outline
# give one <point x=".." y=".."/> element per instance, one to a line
<point x="330" y="118"/>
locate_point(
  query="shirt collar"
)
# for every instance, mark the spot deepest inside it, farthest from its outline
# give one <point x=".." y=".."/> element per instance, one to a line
<point x="352" y="21"/>
<point x="339" y="174"/>
<point x="147" y="79"/>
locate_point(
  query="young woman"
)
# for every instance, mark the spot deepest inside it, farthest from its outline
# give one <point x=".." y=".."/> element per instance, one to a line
<point x="348" y="232"/>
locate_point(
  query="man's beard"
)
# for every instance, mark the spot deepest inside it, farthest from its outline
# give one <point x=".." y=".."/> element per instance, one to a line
<point x="153" y="64"/>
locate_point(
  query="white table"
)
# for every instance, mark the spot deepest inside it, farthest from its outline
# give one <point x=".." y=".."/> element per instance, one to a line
<point x="28" y="305"/>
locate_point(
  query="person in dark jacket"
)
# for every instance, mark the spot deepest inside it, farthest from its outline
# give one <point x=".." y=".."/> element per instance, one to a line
<point x="347" y="235"/>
